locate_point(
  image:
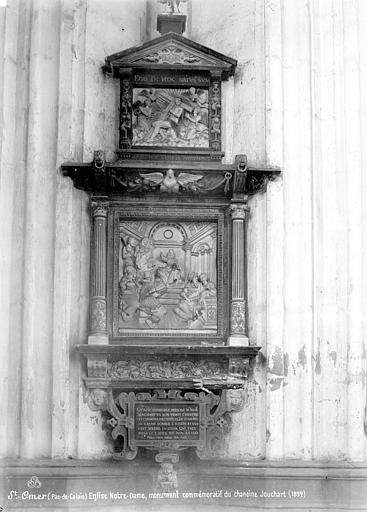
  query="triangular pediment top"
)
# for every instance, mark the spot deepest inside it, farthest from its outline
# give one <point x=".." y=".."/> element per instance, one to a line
<point x="173" y="51"/>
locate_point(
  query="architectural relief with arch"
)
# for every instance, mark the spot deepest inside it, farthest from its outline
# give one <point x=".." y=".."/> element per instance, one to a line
<point x="167" y="278"/>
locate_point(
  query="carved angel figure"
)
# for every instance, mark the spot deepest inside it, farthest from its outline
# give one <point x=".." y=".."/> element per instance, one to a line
<point x="169" y="183"/>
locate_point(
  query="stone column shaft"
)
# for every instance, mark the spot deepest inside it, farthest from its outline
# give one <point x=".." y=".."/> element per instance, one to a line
<point x="98" y="302"/>
<point x="187" y="250"/>
<point x="238" y="299"/>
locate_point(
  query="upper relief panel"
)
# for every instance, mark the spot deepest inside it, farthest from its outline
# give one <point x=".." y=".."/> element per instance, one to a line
<point x="170" y="99"/>
<point x="170" y="117"/>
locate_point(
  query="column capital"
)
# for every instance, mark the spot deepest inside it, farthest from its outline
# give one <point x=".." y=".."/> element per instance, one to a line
<point x="99" y="207"/>
<point x="238" y="211"/>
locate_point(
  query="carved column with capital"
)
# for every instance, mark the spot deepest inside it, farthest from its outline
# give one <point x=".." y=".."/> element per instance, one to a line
<point x="238" y="299"/>
<point x="98" y="302"/>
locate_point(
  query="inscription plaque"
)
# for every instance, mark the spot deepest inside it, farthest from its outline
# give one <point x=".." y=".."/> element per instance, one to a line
<point x="166" y="422"/>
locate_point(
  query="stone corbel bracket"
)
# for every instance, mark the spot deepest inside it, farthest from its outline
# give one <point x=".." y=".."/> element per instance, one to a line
<point x="210" y="381"/>
<point x="249" y="180"/>
<point x="205" y="416"/>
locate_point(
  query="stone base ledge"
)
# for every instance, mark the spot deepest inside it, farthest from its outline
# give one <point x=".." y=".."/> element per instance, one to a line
<point x="257" y="485"/>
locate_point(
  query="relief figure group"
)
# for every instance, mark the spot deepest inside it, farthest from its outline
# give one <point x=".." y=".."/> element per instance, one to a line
<point x="156" y="292"/>
<point x="170" y="117"/>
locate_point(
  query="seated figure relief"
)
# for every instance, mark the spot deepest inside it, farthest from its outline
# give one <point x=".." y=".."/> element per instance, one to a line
<point x="159" y="289"/>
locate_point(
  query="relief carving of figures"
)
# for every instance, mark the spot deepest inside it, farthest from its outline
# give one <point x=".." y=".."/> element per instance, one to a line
<point x="192" y="306"/>
<point x="170" y="117"/>
<point x="159" y="286"/>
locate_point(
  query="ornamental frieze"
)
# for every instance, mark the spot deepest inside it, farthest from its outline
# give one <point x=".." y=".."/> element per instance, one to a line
<point x="166" y="369"/>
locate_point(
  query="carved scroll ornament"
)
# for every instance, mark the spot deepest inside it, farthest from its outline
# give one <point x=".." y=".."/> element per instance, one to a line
<point x="205" y="417"/>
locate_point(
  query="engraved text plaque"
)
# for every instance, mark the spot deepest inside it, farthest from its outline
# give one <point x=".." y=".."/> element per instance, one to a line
<point x="166" y="422"/>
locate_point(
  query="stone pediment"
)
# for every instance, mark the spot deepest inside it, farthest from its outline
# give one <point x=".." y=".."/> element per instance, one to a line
<point x="171" y="51"/>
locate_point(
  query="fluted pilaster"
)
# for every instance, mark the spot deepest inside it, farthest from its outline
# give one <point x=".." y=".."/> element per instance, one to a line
<point x="98" y="303"/>
<point x="238" y="299"/>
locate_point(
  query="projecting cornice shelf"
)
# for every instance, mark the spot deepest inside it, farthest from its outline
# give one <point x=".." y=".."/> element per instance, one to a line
<point x="167" y="366"/>
<point x="125" y="177"/>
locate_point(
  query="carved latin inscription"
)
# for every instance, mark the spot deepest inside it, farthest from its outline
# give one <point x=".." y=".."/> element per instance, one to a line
<point x="163" y="422"/>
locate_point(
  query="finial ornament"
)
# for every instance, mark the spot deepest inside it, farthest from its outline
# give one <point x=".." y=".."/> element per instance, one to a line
<point x="171" y="6"/>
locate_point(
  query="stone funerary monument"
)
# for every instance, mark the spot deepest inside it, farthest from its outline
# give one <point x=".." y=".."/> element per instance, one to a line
<point x="168" y="352"/>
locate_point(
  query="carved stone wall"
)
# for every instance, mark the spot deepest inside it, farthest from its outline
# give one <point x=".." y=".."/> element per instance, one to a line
<point x="297" y="101"/>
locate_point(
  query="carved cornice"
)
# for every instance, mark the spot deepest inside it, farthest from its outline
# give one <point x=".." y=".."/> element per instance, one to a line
<point x="132" y="177"/>
<point x="198" y="367"/>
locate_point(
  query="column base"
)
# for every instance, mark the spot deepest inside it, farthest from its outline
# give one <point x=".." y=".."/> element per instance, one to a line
<point x="237" y="340"/>
<point x="98" y="339"/>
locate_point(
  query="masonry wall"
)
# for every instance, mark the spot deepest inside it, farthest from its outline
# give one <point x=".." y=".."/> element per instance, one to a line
<point x="296" y="102"/>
